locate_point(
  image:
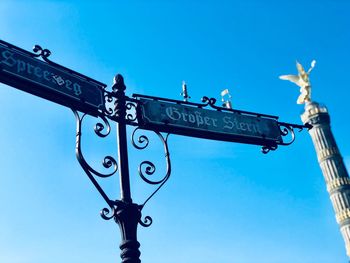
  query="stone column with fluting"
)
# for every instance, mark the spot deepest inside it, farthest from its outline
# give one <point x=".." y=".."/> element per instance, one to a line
<point x="332" y="165"/>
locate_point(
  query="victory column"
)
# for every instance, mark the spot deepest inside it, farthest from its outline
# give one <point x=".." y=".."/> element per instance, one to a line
<point x="329" y="157"/>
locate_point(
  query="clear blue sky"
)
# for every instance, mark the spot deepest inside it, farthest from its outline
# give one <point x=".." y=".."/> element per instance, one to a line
<point x="224" y="202"/>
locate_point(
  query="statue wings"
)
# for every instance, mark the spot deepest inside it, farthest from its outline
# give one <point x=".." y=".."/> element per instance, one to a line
<point x="292" y="78"/>
<point x="302" y="80"/>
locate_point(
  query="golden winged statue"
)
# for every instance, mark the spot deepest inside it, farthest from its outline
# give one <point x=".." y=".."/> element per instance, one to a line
<point x="303" y="81"/>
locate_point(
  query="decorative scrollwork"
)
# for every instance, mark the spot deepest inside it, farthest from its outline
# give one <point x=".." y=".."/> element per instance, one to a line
<point x="108" y="161"/>
<point x="108" y="99"/>
<point x="142" y="141"/>
<point x="209" y="101"/>
<point x="131" y="116"/>
<point x="147" y="168"/>
<point x="146" y="222"/>
<point x="107" y="214"/>
<point x="43" y="53"/>
<point x="99" y="127"/>
<point x="110" y="110"/>
<point x="265" y="149"/>
<point x="286" y="130"/>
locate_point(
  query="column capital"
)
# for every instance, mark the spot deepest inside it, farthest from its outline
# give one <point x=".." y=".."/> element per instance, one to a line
<point x="315" y="113"/>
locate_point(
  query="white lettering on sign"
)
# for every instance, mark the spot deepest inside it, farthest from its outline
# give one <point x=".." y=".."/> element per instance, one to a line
<point x="20" y="66"/>
<point x="232" y="123"/>
<point x="195" y="117"/>
<point x="187" y="119"/>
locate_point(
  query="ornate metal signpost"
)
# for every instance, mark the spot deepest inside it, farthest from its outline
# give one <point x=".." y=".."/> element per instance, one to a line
<point x="24" y="70"/>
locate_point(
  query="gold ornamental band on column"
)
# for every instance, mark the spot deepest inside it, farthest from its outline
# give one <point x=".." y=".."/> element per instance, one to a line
<point x="343" y="215"/>
<point x="326" y="153"/>
<point x="336" y="183"/>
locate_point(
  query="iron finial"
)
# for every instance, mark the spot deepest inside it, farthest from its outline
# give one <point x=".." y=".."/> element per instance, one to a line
<point x="184" y="92"/>
<point x="118" y="83"/>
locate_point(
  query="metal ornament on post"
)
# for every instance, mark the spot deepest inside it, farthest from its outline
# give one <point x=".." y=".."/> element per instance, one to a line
<point x="184" y="92"/>
<point x="226" y="99"/>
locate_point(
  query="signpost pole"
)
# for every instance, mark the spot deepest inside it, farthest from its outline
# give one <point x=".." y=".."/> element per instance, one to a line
<point x="120" y="112"/>
<point x="127" y="214"/>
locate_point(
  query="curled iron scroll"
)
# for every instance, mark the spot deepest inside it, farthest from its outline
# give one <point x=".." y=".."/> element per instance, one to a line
<point x="131" y="116"/>
<point x="107" y="214"/>
<point x="286" y="130"/>
<point x="108" y="161"/>
<point x="146" y="222"/>
<point x="110" y="111"/>
<point x="147" y="168"/>
<point x="102" y="129"/>
<point x="211" y="102"/>
<point x="265" y="149"/>
<point x="43" y="53"/>
<point x="109" y="99"/>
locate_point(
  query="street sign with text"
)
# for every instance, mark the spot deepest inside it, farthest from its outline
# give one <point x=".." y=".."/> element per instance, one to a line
<point x="23" y="70"/>
<point x="195" y="121"/>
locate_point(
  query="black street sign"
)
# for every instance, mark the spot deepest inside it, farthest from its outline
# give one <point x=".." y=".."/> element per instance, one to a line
<point x="22" y="70"/>
<point x="194" y="121"/>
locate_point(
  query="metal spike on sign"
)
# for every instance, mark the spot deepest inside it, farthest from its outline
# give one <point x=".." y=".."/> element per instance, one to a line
<point x="184" y="92"/>
<point x="226" y="99"/>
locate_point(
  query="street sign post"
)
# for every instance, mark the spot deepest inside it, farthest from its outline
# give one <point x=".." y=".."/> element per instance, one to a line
<point x="23" y="70"/>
